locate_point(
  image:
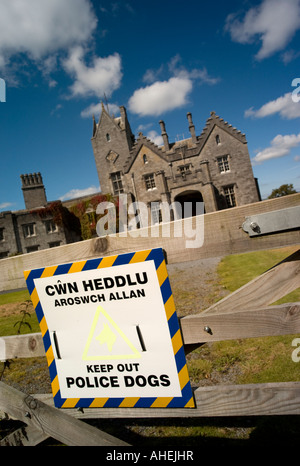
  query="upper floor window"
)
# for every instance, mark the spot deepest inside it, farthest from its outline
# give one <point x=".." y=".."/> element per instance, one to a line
<point x="51" y="226"/>
<point x="29" y="230"/>
<point x="156" y="213"/>
<point x="223" y="164"/>
<point x="108" y="137"/>
<point x="230" y="196"/>
<point x="150" y="181"/>
<point x="218" y="141"/>
<point x="145" y="160"/>
<point x="1" y="234"/>
<point x="116" y="179"/>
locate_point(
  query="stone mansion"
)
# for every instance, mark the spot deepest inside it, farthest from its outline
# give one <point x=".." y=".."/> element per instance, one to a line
<point x="213" y="167"/>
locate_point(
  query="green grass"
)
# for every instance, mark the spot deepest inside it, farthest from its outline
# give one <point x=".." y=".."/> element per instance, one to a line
<point x="256" y="360"/>
<point x="14" y="297"/>
<point x="237" y="270"/>
<point x="9" y="325"/>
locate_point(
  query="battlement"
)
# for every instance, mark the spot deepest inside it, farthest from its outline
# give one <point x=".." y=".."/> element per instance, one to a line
<point x="31" y="179"/>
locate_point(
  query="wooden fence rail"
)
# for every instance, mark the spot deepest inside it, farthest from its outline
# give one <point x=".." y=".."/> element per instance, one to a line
<point x="248" y="312"/>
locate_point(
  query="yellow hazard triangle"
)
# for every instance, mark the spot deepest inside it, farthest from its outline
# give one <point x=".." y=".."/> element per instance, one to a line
<point x="107" y="341"/>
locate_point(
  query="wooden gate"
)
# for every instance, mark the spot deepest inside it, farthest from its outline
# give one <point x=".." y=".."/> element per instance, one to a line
<point x="246" y="313"/>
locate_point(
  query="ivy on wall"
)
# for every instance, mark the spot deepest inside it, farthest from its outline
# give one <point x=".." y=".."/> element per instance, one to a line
<point x="85" y="211"/>
<point x="60" y="215"/>
<point x="81" y="217"/>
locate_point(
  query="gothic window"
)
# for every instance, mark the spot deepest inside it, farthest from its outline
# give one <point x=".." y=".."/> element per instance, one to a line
<point x="116" y="179"/>
<point x="230" y="196"/>
<point x="156" y="213"/>
<point x="50" y="226"/>
<point x="29" y="230"/>
<point x="223" y="164"/>
<point x="108" y="137"/>
<point x="218" y="139"/>
<point x="150" y="181"/>
<point x="183" y="169"/>
<point x="145" y="160"/>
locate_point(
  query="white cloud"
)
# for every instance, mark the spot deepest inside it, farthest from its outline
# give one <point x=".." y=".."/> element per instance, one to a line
<point x="162" y="96"/>
<point x="74" y="193"/>
<point x="102" y="77"/>
<point x="41" y="27"/>
<point x="5" y="205"/>
<point x="274" y="22"/>
<point x="165" y="95"/>
<point x="280" y="147"/>
<point x="52" y="33"/>
<point x="284" y="105"/>
<point x="155" y="137"/>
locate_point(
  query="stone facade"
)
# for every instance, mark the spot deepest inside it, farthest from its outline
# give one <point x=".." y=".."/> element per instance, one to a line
<point x="35" y="227"/>
<point x="213" y="167"/>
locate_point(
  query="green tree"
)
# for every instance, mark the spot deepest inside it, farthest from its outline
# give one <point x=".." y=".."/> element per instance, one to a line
<point x="283" y="190"/>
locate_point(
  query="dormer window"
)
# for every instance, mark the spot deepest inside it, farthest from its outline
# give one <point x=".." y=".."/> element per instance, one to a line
<point x="108" y="137"/>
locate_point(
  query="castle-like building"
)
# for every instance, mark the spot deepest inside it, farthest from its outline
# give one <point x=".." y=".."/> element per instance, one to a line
<point x="213" y="167"/>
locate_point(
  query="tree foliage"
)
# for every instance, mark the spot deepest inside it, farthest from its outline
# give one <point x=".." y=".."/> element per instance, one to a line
<point x="283" y="190"/>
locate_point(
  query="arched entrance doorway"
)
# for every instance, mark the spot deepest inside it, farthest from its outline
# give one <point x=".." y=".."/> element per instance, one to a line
<point x="188" y="201"/>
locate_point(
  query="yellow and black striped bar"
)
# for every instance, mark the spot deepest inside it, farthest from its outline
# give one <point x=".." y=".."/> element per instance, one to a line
<point x="156" y="255"/>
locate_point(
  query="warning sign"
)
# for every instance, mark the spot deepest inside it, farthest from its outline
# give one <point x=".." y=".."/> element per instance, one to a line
<point x="111" y="333"/>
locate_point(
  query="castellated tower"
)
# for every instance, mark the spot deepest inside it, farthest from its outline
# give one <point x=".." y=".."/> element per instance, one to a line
<point x="33" y="190"/>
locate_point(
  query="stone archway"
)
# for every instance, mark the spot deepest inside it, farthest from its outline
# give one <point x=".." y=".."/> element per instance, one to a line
<point x="191" y="197"/>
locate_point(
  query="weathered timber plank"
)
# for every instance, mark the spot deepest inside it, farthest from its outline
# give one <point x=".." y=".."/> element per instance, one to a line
<point x="264" y="289"/>
<point x="21" y="346"/>
<point x="52" y="422"/>
<point x="268" y="399"/>
<point x="283" y="319"/>
<point x="26" y="436"/>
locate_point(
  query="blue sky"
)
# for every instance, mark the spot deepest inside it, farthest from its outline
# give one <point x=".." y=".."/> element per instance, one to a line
<point x="158" y="58"/>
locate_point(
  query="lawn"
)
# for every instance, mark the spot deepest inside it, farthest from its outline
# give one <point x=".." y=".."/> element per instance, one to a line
<point x="252" y="360"/>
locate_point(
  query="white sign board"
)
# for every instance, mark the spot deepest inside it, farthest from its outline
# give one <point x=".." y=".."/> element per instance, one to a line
<point x="108" y="331"/>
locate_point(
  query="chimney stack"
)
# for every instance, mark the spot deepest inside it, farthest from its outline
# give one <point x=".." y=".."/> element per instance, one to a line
<point x="192" y="127"/>
<point x="33" y="190"/>
<point x="164" y="135"/>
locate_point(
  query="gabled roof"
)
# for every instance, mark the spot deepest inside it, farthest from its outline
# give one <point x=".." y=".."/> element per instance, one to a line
<point x="215" y="120"/>
<point x="104" y="114"/>
<point x="143" y="141"/>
